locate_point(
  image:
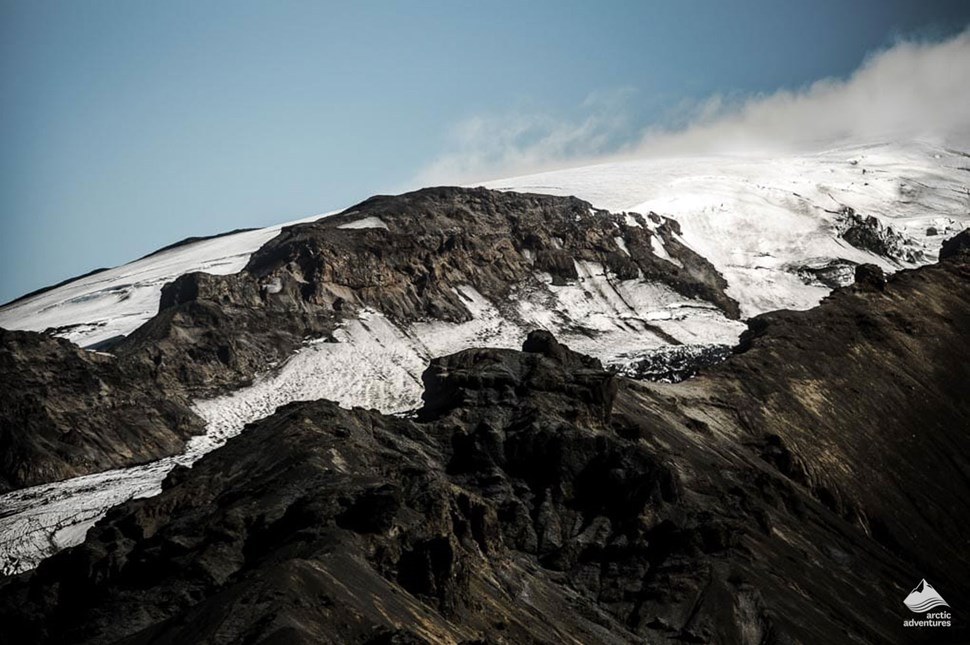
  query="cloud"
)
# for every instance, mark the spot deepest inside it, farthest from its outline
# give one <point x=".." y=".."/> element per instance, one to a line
<point x="910" y="90"/>
<point x="481" y="146"/>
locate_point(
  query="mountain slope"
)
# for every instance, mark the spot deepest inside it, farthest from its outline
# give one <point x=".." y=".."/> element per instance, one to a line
<point x="769" y="224"/>
<point x="537" y="497"/>
<point x="351" y="308"/>
<point x="65" y="412"/>
<point x="624" y="288"/>
<point x="433" y="253"/>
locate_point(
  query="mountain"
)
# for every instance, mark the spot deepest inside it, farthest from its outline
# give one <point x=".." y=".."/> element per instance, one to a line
<point x="779" y="497"/>
<point x="773" y="226"/>
<point x="363" y="299"/>
<point x="226" y="333"/>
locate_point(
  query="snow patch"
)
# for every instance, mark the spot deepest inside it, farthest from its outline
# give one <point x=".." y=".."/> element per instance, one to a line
<point x="620" y="242"/>
<point x="657" y="245"/>
<point x="365" y="222"/>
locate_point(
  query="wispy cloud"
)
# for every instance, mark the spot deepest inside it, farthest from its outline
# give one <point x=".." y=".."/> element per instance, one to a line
<point x="913" y="89"/>
<point x="484" y="145"/>
<point x="910" y="90"/>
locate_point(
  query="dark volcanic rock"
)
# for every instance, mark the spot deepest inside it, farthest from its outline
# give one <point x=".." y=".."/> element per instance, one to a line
<point x="870" y="275"/>
<point x="867" y="394"/>
<point x="794" y="493"/>
<point x="439" y="238"/>
<point x="832" y="273"/>
<point x="66" y="412"/>
<point x="869" y="234"/>
<point x="215" y="331"/>
<point x="957" y="244"/>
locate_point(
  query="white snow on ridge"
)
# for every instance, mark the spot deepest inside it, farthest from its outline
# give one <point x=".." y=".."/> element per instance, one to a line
<point x="753" y="216"/>
<point x="117" y="301"/>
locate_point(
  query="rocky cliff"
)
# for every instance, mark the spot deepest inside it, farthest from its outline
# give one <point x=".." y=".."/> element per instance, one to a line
<point x="794" y="493"/>
<point x="66" y="412"/>
<point x="406" y="257"/>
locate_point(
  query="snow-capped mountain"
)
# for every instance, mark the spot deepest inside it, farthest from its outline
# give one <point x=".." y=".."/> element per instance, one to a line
<point x="781" y="232"/>
<point x="768" y="224"/>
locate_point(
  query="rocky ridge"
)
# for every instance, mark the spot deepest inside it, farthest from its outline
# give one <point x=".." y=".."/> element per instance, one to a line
<point x="65" y="412"/>
<point x="867" y="233"/>
<point x="213" y="333"/>
<point x="793" y="493"/>
<point x="410" y="265"/>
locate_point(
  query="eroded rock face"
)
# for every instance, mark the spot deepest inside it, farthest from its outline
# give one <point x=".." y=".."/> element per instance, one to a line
<point x="215" y="331"/>
<point x="957" y="244"/>
<point x="867" y="233"/>
<point x="438" y="238"/>
<point x="866" y="394"/>
<point x="66" y="412"/>
<point x="780" y="497"/>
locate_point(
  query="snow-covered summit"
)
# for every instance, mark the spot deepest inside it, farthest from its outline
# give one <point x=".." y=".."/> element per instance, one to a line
<point x="764" y="221"/>
<point x="769" y="224"/>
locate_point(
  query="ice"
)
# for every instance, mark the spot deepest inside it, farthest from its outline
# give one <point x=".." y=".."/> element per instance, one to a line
<point x="372" y="365"/>
<point x="752" y="216"/>
<point x="657" y="245"/>
<point x="620" y="242"/>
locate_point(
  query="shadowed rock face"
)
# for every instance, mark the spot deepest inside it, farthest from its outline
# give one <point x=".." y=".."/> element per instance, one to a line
<point x="794" y="493"/>
<point x="867" y="394"/>
<point x="214" y="331"/>
<point x="959" y="243"/>
<point x="66" y="412"/>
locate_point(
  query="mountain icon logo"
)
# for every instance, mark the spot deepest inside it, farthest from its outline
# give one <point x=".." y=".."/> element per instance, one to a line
<point x="924" y="598"/>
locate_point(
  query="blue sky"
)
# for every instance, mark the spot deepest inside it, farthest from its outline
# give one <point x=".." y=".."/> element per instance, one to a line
<point x="128" y="124"/>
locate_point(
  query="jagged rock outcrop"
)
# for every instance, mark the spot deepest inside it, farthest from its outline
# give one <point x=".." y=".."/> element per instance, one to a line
<point x="832" y="273"/>
<point x="66" y="412"/>
<point x="867" y="233"/>
<point x="959" y="243"/>
<point x="794" y="493"/>
<point x="215" y="332"/>
<point x="871" y="276"/>
<point x="406" y="261"/>
<point x="426" y="242"/>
